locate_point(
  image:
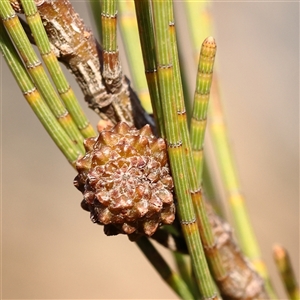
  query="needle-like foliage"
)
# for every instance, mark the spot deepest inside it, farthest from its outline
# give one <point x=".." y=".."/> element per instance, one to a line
<point x="218" y="268"/>
<point x="35" y="99"/>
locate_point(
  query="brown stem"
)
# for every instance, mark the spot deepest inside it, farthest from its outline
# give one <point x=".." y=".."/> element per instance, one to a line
<point x="75" y="46"/>
<point x="242" y="281"/>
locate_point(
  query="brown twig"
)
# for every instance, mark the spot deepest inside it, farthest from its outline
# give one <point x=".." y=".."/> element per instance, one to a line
<point x="75" y="46"/>
<point x="242" y="281"/>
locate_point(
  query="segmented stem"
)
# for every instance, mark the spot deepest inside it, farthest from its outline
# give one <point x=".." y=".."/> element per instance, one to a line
<point x="64" y="89"/>
<point x="75" y="46"/>
<point x="145" y="27"/>
<point x="206" y="233"/>
<point x="183" y="265"/>
<point x="286" y="272"/>
<point x="112" y="71"/>
<point x="201" y="98"/>
<point x="168" y="275"/>
<point x="223" y="151"/>
<point x="111" y="66"/>
<point x="175" y="150"/>
<point x="35" y="100"/>
<point x="37" y="72"/>
<point x="131" y="40"/>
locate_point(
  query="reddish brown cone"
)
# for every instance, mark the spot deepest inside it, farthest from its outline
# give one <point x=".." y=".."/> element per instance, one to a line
<point x="126" y="181"/>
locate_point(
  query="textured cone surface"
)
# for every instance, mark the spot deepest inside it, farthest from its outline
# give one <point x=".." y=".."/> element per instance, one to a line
<point x="125" y="181"/>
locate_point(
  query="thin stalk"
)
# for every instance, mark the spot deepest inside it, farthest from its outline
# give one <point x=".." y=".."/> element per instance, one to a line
<point x="223" y="151"/>
<point x="111" y="66"/>
<point x="201" y="99"/>
<point x="167" y="274"/>
<point x="75" y="46"/>
<point x="145" y="27"/>
<point x="200" y="24"/>
<point x="184" y="269"/>
<point x="37" y="72"/>
<point x="115" y="83"/>
<point x="195" y="178"/>
<point x="175" y="150"/>
<point x="64" y="90"/>
<point x="35" y="100"/>
<point x="286" y="272"/>
<point x="131" y="40"/>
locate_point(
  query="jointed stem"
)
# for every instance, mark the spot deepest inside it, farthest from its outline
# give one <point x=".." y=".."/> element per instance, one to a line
<point x="175" y="150"/>
<point x="145" y="26"/>
<point x="35" y="100"/>
<point x="65" y="91"/>
<point x="201" y="98"/>
<point x="167" y="96"/>
<point x="184" y="268"/>
<point x="194" y="171"/>
<point x="111" y="67"/>
<point x="131" y="40"/>
<point x="37" y="72"/>
<point x="222" y="148"/>
<point x="175" y="282"/>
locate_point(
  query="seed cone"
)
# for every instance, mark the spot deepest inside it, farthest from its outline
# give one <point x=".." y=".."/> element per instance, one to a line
<point x="125" y="181"/>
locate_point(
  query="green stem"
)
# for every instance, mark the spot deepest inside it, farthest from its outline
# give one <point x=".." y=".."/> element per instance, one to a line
<point x="112" y="72"/>
<point x="145" y="26"/>
<point x="109" y="25"/>
<point x="37" y="72"/>
<point x="184" y="269"/>
<point x="169" y="276"/>
<point x="35" y="100"/>
<point x="65" y="91"/>
<point x="175" y="150"/>
<point x="198" y="14"/>
<point x="131" y="40"/>
<point x="235" y="198"/>
<point x="195" y="178"/>
<point x="201" y="99"/>
<point x="223" y="152"/>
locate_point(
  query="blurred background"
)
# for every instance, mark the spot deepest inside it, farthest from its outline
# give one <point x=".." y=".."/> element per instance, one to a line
<point x="51" y="249"/>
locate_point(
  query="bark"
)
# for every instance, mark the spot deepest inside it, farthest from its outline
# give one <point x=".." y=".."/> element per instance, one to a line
<point x="242" y="281"/>
<point x="75" y="46"/>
